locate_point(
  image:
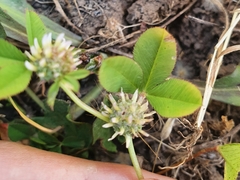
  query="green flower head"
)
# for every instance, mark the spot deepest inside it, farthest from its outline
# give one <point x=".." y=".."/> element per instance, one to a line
<point x="127" y="116"/>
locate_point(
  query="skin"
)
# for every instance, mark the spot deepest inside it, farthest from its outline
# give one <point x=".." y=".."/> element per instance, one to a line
<point x="23" y="162"/>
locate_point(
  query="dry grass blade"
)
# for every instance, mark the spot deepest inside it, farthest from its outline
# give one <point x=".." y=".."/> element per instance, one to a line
<point x="216" y="62"/>
<point x="230" y="50"/>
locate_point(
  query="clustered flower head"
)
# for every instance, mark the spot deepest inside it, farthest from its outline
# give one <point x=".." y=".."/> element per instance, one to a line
<point x="127" y="116"/>
<point x="52" y="60"/>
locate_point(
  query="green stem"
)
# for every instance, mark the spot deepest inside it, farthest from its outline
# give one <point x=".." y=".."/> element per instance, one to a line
<point x="75" y="111"/>
<point x="35" y="98"/>
<point x="82" y="104"/>
<point x="133" y="157"/>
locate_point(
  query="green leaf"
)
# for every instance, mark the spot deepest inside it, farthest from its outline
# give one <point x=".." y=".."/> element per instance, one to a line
<point x="84" y="155"/>
<point x="35" y="28"/>
<point x="103" y="134"/>
<point x="155" y="52"/>
<point x="79" y="74"/>
<point x="175" y="98"/>
<point x="52" y="94"/>
<point x="14" y="77"/>
<point x="226" y="88"/>
<point x="56" y="148"/>
<point x="2" y="32"/>
<point x="71" y="83"/>
<point x="231" y="154"/>
<point x="231" y="80"/>
<point x="222" y="92"/>
<point x="120" y="72"/>
<point x="53" y="119"/>
<point x="73" y="141"/>
<point x="37" y="140"/>
<point x="48" y="138"/>
<point x="16" y="10"/>
<point x="9" y="51"/>
<point x="82" y="131"/>
<point x="12" y="28"/>
<point x="230" y="95"/>
<point x="18" y="131"/>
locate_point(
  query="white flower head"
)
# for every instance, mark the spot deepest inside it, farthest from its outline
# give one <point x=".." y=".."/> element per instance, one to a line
<point x="127" y="115"/>
<point x="52" y="60"/>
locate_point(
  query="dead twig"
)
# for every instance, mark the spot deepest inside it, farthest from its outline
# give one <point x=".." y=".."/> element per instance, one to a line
<point x="179" y="14"/>
<point x="119" y="52"/>
<point x="60" y="10"/>
<point x="45" y="2"/>
<point x="129" y="44"/>
<point x="79" y="13"/>
<point x="203" y="21"/>
<point x="114" y="42"/>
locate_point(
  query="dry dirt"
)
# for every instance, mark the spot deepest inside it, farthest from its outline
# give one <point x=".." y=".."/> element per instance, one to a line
<point x="113" y="27"/>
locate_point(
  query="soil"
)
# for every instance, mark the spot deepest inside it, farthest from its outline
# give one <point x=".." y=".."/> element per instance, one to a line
<point x="113" y="26"/>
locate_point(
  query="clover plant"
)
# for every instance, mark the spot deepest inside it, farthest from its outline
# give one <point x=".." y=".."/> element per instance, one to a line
<point x="138" y="82"/>
<point x="149" y="72"/>
<point x="146" y="76"/>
